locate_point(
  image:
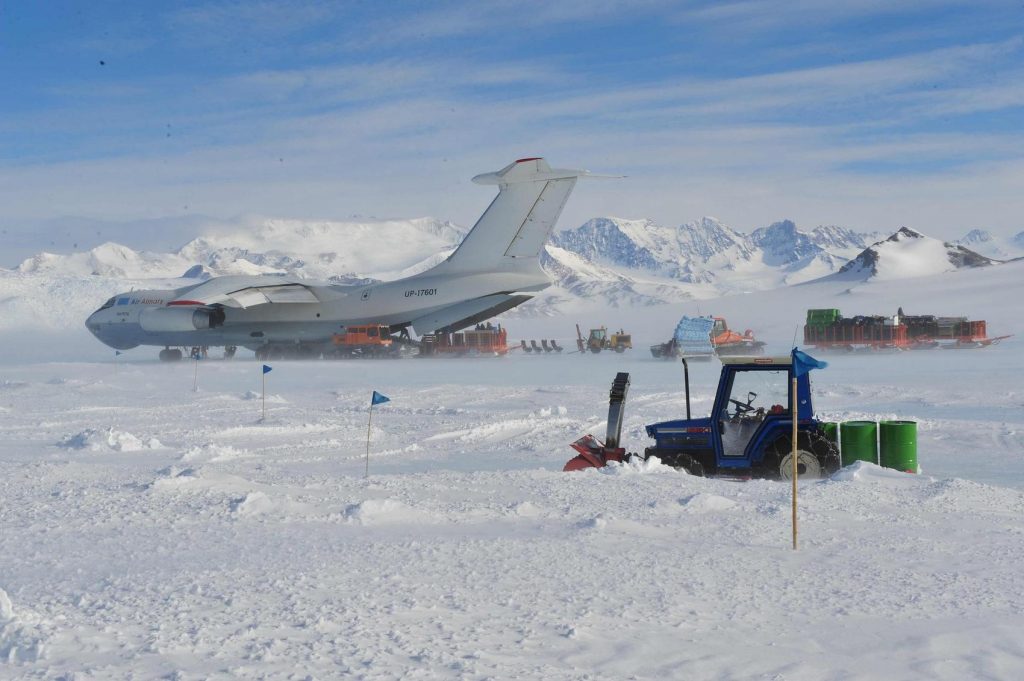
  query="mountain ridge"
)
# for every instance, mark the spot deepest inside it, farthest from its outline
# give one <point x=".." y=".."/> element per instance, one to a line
<point x="908" y="253"/>
<point x="622" y="262"/>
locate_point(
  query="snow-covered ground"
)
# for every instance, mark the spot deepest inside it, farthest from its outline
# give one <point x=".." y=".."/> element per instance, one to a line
<point x="149" y="530"/>
<point x="152" y="531"/>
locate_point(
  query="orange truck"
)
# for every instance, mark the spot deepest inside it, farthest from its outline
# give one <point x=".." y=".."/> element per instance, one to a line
<point x="369" y="340"/>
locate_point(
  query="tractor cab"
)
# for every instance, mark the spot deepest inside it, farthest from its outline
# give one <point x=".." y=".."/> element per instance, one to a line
<point x="747" y="396"/>
<point x="719" y="328"/>
<point x="750" y="426"/>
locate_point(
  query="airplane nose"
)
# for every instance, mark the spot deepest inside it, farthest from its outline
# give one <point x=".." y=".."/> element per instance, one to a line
<point x="93" y="325"/>
<point x="117" y="336"/>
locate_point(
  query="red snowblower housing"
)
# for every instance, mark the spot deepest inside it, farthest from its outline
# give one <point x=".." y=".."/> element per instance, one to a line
<point x="593" y="454"/>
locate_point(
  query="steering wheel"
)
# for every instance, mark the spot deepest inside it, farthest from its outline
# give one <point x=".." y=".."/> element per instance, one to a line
<point x="741" y="408"/>
<point x="744" y="407"/>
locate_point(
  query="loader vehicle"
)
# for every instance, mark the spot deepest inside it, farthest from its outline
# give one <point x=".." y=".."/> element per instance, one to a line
<point x="599" y="339"/>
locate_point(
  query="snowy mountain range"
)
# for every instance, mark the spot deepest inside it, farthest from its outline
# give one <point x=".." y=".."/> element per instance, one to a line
<point x="980" y="241"/>
<point x="907" y="254"/>
<point x="710" y="253"/>
<point x="314" y="250"/>
<point x="620" y="262"/>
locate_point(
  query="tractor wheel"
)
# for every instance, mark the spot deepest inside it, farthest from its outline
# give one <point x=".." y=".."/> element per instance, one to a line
<point x="816" y="457"/>
<point x="682" y="461"/>
<point x="807" y="465"/>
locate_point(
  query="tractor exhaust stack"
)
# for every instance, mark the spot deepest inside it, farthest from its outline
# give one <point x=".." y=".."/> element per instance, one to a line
<point x="686" y="383"/>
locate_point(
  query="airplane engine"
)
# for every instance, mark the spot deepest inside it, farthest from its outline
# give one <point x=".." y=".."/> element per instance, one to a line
<point x="180" y="318"/>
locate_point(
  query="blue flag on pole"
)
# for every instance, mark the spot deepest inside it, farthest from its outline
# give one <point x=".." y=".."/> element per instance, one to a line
<point x="803" y="363"/>
<point x="266" y="369"/>
<point x="117" y="353"/>
<point x="378" y="398"/>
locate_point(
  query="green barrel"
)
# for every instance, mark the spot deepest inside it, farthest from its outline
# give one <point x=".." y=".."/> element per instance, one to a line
<point x="898" y="445"/>
<point x="858" y="441"/>
<point x="830" y="429"/>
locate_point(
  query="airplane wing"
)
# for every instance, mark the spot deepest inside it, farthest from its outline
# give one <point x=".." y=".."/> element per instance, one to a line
<point x="245" y="292"/>
<point x="260" y="295"/>
<point x="468" y="312"/>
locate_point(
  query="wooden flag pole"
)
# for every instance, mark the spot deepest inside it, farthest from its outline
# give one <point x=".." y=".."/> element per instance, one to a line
<point x="793" y="456"/>
<point x="195" y="377"/>
<point x="368" y="422"/>
<point x="264" y="418"/>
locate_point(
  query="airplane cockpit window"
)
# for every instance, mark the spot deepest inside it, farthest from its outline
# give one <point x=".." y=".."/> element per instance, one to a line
<point x="109" y="303"/>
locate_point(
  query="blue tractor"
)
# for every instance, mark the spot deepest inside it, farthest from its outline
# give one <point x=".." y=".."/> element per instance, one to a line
<point x="749" y="431"/>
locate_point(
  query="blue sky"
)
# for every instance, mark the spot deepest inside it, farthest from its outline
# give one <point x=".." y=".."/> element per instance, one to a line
<point x="865" y="113"/>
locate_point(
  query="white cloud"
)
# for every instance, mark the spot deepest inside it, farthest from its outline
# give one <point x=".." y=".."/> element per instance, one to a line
<point x="401" y="134"/>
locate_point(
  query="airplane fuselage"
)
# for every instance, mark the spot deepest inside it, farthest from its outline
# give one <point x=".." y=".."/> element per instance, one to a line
<point x="495" y="268"/>
<point x="122" y="324"/>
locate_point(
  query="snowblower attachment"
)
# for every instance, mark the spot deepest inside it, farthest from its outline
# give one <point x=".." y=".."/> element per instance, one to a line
<point x="593" y="454"/>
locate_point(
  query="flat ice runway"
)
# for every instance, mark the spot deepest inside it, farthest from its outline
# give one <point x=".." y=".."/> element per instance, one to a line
<point x="151" y="530"/>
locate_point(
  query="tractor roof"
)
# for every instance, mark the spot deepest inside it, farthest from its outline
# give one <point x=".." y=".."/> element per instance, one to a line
<point x="784" y="360"/>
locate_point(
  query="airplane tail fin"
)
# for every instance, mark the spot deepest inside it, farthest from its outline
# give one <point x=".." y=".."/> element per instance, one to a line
<point x="512" y="231"/>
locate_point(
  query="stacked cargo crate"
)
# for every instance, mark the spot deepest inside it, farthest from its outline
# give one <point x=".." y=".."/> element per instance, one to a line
<point x="827" y="328"/>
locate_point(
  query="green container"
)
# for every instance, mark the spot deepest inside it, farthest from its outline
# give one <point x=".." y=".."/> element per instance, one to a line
<point x="898" y="441"/>
<point x="858" y="441"/>
<point x="830" y="429"/>
<point x="823" y="317"/>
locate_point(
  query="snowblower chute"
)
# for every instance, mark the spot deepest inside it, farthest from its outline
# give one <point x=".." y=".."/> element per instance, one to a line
<point x="593" y="454"/>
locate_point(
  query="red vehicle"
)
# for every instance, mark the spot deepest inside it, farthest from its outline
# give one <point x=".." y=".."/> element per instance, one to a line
<point x="370" y="340"/>
<point x="484" y="340"/>
<point x="723" y="341"/>
<point x="729" y="342"/>
<point x="829" y="330"/>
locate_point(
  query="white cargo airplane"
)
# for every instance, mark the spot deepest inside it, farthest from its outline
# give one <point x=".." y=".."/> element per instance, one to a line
<point x="494" y="269"/>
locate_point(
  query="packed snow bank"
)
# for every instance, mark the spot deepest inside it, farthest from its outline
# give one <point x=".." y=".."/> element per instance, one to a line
<point x="637" y="466"/>
<point x="108" y="439"/>
<point x="386" y="512"/>
<point x="865" y="472"/>
<point x="212" y="452"/>
<point x="175" y="478"/>
<point x="21" y="640"/>
<point x="703" y="502"/>
<point x="253" y="503"/>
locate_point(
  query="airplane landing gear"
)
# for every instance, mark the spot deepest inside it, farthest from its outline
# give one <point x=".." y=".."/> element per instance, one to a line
<point x="169" y="355"/>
